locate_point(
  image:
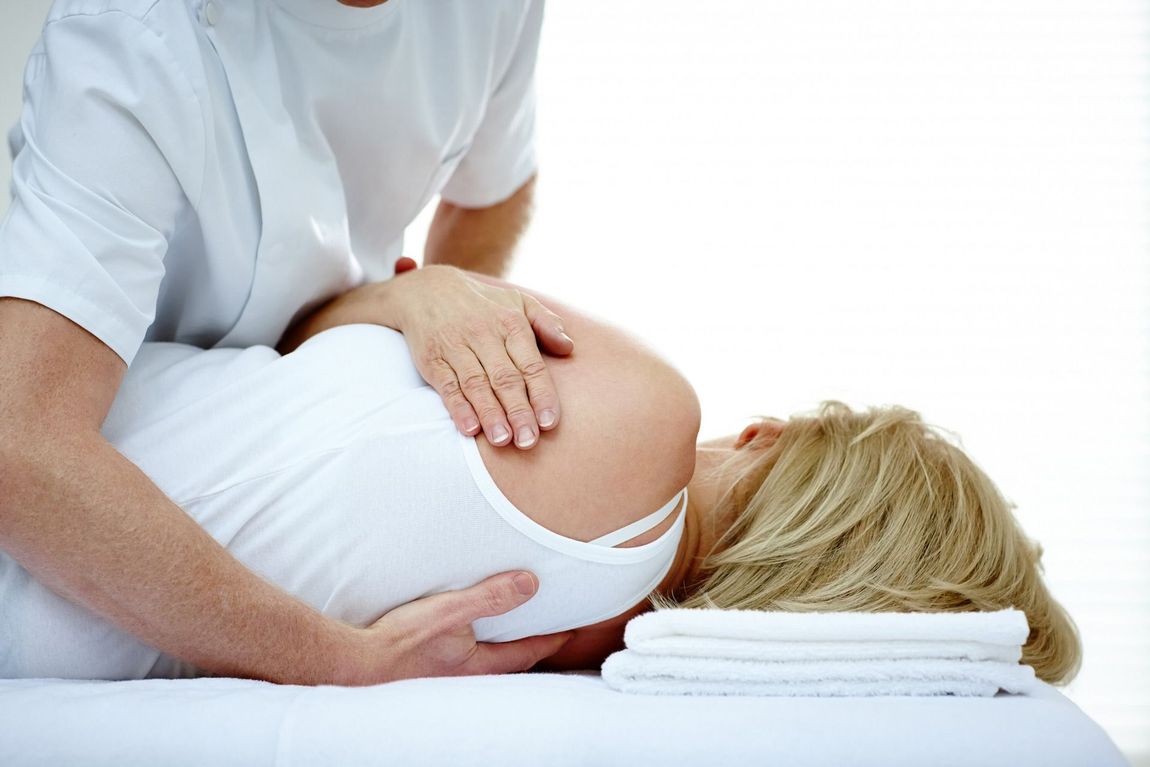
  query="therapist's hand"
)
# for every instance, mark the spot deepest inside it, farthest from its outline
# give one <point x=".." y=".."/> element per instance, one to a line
<point x="433" y="636"/>
<point x="476" y="344"/>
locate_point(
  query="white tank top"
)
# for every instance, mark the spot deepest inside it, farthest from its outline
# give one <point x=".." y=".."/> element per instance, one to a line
<point x="336" y="473"/>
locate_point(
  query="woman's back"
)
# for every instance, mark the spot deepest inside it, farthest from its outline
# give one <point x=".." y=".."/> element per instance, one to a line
<point x="336" y="473"/>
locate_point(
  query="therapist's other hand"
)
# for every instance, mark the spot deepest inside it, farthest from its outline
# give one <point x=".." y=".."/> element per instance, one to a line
<point x="476" y="344"/>
<point x="433" y="636"/>
<point x="405" y="264"/>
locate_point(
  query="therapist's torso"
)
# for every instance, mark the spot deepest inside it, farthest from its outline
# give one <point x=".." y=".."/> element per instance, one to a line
<point x="203" y="170"/>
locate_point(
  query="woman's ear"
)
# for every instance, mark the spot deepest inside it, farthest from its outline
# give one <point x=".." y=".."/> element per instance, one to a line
<point x="746" y="435"/>
<point x="770" y="429"/>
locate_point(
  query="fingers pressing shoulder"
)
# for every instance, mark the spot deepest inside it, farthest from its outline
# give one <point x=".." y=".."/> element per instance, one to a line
<point x="625" y="446"/>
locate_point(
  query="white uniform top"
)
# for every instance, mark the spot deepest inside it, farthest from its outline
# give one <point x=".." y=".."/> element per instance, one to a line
<point x="336" y="473"/>
<point x="198" y="171"/>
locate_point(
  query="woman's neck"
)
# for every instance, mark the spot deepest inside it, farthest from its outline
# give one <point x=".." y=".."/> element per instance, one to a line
<point x="702" y="527"/>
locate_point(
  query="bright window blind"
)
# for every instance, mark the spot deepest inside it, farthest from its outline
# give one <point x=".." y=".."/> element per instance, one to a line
<point x="943" y="205"/>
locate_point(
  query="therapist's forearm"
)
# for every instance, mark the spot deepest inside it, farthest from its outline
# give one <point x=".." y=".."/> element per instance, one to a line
<point x="480" y="239"/>
<point x="92" y="527"/>
<point x="88" y="524"/>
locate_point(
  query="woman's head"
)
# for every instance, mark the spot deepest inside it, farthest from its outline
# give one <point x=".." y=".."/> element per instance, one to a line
<point x="875" y="511"/>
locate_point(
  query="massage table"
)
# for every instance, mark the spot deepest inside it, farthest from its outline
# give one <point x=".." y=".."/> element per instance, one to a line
<point x="532" y="720"/>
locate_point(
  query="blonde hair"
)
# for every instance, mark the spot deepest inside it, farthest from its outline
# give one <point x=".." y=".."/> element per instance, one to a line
<point x="875" y="511"/>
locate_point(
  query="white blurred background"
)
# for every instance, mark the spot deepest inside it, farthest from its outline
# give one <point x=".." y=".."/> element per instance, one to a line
<point x="936" y="204"/>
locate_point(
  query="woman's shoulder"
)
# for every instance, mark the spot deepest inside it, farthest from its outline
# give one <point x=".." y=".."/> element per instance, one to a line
<point x="625" y="444"/>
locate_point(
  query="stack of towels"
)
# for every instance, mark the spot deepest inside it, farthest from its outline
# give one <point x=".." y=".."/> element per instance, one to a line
<point x="750" y="652"/>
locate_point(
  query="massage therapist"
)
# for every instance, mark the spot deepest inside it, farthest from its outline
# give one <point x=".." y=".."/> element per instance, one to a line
<point x="205" y="171"/>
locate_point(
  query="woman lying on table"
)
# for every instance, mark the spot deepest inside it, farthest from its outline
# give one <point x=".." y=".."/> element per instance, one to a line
<point x="335" y="472"/>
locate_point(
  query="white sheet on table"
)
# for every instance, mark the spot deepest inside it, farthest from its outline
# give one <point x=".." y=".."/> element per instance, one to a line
<point x="527" y="719"/>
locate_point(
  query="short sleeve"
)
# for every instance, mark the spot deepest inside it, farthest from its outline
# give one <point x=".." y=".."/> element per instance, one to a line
<point x="107" y="157"/>
<point x="501" y="157"/>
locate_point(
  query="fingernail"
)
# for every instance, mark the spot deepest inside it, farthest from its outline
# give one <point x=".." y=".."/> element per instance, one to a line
<point x="566" y="336"/>
<point x="499" y="435"/>
<point x="526" y="437"/>
<point x="470" y="426"/>
<point x="524" y="584"/>
<point x="547" y="418"/>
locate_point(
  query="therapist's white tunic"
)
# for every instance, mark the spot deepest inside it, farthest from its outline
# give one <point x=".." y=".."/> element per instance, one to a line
<point x="203" y="170"/>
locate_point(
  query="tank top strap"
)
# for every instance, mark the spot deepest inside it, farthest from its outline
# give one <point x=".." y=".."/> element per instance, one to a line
<point x="641" y="526"/>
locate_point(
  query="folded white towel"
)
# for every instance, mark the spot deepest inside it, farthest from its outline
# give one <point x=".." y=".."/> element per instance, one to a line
<point x="634" y="672"/>
<point x="1004" y="627"/>
<point x="766" y="650"/>
<point x="753" y="652"/>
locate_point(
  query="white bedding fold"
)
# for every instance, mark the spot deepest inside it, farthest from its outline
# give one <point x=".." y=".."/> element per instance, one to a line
<point x="525" y="720"/>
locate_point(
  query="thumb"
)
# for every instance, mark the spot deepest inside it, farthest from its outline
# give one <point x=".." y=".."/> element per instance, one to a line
<point x="548" y="327"/>
<point x="496" y="595"/>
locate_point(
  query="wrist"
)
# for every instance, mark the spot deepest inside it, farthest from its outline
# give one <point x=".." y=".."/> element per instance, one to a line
<point x="395" y="299"/>
<point x="348" y="658"/>
<point x="337" y="655"/>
